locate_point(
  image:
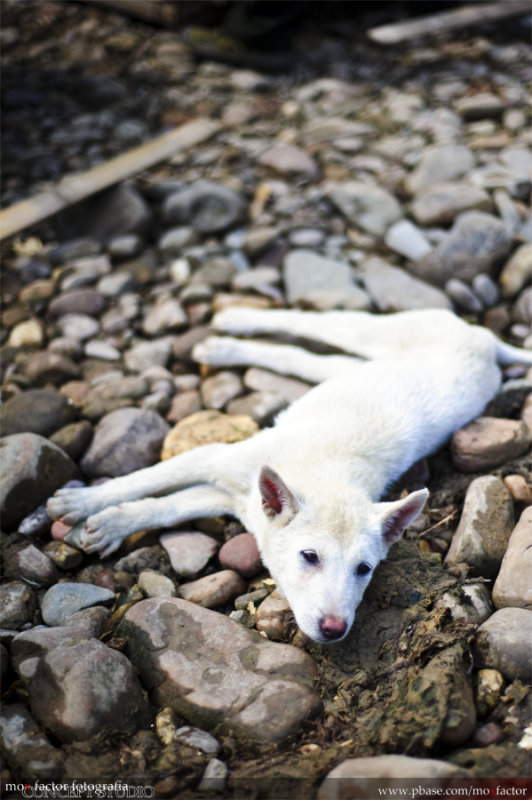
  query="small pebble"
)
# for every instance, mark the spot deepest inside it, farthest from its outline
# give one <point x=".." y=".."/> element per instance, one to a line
<point x="213" y="590"/>
<point x="504" y="643"/>
<point x="519" y="488"/>
<point x="153" y="584"/>
<point x="487" y="734"/>
<point x="408" y="240"/>
<point x="197" y="738"/>
<point x="488" y="688"/>
<point x="96" y="348"/>
<point x="166" y="724"/>
<point x="64" y="599"/>
<point x="215" y="776"/>
<point x="18" y="604"/>
<point x="220" y="389"/>
<point x="26" y="334"/>
<point x="59" y="530"/>
<point x="255" y="597"/>
<point x="78" y="326"/>
<point x="37" y="523"/>
<point x="464" y="297"/>
<point x="488" y="442"/>
<point x="167" y="787"/>
<point x="486" y="289"/>
<point x="26" y="561"/>
<point x="63" y="556"/>
<point x="189" y="551"/>
<point x="125" y="246"/>
<point x="273" y="615"/>
<point x="241" y="554"/>
<point x="306" y="237"/>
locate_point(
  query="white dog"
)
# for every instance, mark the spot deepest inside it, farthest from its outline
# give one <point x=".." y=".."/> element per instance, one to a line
<point x="309" y="487"/>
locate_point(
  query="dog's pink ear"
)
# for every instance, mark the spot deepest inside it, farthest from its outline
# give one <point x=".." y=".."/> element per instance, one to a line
<point x="277" y="499"/>
<point x="400" y="514"/>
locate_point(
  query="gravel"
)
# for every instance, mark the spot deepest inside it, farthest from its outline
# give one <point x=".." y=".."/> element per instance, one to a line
<point x="360" y="179"/>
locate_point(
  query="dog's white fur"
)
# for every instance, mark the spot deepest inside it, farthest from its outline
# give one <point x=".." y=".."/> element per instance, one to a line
<point x="309" y="487"/>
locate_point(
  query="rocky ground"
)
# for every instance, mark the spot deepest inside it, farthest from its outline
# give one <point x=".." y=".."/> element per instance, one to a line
<point x="362" y="179"/>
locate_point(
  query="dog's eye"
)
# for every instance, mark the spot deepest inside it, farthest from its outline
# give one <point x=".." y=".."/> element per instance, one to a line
<point x="310" y="555"/>
<point x="363" y="568"/>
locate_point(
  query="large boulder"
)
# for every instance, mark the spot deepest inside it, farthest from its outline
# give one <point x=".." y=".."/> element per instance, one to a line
<point x="216" y="673"/>
<point x="81" y="689"/>
<point x="124" y="440"/>
<point x="32" y="468"/>
<point x="41" y="411"/>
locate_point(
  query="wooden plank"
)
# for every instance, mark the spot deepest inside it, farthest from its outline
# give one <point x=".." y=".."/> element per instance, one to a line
<point x="448" y="20"/>
<point x="78" y="186"/>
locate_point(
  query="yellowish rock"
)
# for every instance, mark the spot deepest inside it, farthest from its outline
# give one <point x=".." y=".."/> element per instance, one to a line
<point x="519" y="488"/>
<point x="273" y="615"/>
<point x="26" y="334"/>
<point x="37" y="290"/>
<point x="206" y="427"/>
<point x="166" y="724"/>
<point x="489" y="685"/>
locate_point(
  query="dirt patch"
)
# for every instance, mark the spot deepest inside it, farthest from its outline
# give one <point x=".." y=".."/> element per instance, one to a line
<point x="400" y="683"/>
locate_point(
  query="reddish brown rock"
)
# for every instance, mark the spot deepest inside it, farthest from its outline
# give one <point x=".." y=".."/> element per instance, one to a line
<point x="217" y="674"/>
<point x="513" y="586"/>
<point x="484" y="529"/>
<point x="519" y="488"/>
<point x="272" y="616"/>
<point x="504" y="643"/>
<point x="213" y="590"/>
<point x="241" y="553"/>
<point x="488" y="442"/>
<point x="487" y="734"/>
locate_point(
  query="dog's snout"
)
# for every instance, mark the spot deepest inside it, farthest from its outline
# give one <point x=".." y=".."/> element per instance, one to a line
<point x="333" y="627"/>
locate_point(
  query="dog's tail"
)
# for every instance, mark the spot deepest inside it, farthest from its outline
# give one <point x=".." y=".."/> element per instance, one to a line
<point x="507" y="354"/>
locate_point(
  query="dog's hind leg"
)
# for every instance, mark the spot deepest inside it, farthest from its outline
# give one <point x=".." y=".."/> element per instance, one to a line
<point x="103" y="532"/>
<point x="335" y="328"/>
<point x="224" y="351"/>
<point x="370" y="336"/>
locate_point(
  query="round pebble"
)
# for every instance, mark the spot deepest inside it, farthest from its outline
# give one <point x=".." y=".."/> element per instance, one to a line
<point x="189" y="552"/>
<point x="64" y="599"/>
<point x="17" y="605"/>
<point x="153" y="584"/>
<point x="63" y="556"/>
<point x="26" y="334"/>
<point x="241" y="554"/>
<point x="59" y="530"/>
<point x="487" y="734"/>
<point x="213" y="590"/>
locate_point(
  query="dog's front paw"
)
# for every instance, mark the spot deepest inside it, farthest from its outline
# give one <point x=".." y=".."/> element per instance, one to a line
<point x="104" y="532"/>
<point x="72" y="505"/>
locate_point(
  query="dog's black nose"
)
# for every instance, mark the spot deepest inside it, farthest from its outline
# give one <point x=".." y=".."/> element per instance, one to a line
<point x="333" y="627"/>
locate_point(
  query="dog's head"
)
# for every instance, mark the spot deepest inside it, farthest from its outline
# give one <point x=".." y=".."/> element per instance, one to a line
<point x="322" y="548"/>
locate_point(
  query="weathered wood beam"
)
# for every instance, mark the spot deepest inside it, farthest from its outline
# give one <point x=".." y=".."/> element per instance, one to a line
<point x="448" y="20"/>
<point x="78" y="186"/>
